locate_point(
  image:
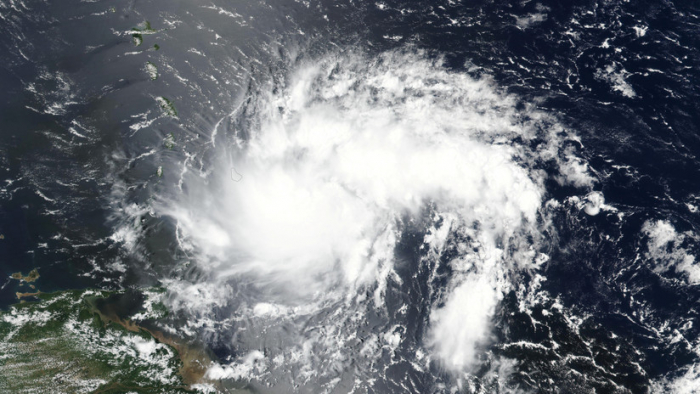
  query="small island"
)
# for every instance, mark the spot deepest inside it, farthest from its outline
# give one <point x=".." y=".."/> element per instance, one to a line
<point x="32" y="276"/>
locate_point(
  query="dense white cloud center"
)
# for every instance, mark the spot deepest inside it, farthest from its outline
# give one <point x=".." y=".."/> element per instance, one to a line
<point x="342" y="153"/>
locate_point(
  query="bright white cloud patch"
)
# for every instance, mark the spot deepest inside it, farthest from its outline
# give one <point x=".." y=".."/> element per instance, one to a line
<point x="339" y="156"/>
<point x="687" y="383"/>
<point x="616" y="76"/>
<point x="463" y="323"/>
<point x="666" y="250"/>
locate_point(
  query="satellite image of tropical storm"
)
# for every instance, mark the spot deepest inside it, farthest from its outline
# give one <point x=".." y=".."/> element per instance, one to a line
<point x="349" y="196"/>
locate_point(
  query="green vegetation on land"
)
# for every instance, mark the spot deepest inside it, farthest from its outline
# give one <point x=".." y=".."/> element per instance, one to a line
<point x="152" y="71"/>
<point x="63" y="343"/>
<point x="169" y="141"/>
<point x="138" y="32"/>
<point x="137" y="38"/>
<point x="167" y="106"/>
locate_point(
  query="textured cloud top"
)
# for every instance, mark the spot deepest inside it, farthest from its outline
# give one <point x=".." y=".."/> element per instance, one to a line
<point x="341" y="155"/>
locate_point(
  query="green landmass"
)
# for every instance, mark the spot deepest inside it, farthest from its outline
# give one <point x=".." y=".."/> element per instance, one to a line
<point x="137" y="38"/>
<point x="167" y="106"/>
<point x="138" y="32"/>
<point x="169" y="141"/>
<point x="77" y="342"/>
<point x="152" y="71"/>
<point x="147" y="27"/>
